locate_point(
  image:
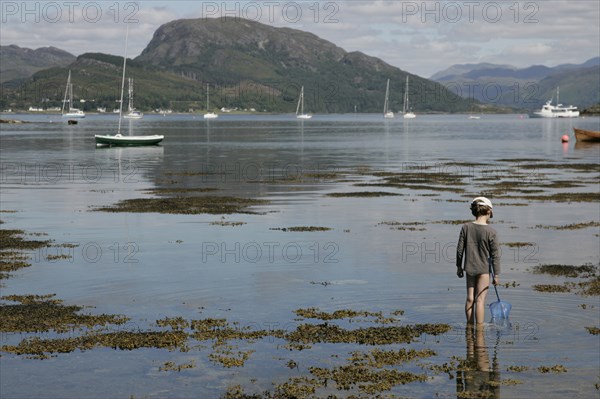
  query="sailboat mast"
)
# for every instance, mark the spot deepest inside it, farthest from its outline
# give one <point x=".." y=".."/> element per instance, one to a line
<point x="123" y="80"/>
<point x="299" y="100"/>
<point x="70" y="96"/>
<point x="130" y="92"/>
<point x="385" y="103"/>
<point x="66" y="92"/>
<point x="405" y="107"/>
<point x="302" y="96"/>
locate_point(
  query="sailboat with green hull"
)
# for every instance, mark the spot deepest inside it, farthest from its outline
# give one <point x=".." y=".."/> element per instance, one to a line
<point x="118" y="139"/>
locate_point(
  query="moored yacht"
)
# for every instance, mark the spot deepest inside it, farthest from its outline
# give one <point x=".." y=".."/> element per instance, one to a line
<point x="558" y="110"/>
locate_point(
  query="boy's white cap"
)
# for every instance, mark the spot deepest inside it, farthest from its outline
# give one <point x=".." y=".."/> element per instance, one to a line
<point x="483" y="200"/>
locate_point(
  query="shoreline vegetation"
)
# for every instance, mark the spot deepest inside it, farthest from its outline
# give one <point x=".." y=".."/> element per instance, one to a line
<point x="484" y="109"/>
<point x="370" y="352"/>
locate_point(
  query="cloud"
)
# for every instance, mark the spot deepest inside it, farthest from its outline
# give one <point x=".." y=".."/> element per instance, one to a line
<point x="80" y="27"/>
<point x="422" y="37"/>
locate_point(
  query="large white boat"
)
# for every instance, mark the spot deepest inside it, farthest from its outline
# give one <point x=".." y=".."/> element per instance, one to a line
<point x="558" y="110"/>
<point x="209" y="114"/>
<point x="386" y="112"/>
<point x="132" y="113"/>
<point x="300" y="107"/>
<point x="408" y="114"/>
<point x="70" y="112"/>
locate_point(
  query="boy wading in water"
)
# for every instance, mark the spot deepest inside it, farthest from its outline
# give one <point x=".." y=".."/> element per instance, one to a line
<point x="478" y="243"/>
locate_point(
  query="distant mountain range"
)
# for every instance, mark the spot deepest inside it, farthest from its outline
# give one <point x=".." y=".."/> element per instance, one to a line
<point x="247" y="64"/>
<point x="525" y="87"/>
<point x="21" y="63"/>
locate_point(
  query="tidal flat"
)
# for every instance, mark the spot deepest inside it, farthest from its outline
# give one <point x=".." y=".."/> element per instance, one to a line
<point x="220" y="264"/>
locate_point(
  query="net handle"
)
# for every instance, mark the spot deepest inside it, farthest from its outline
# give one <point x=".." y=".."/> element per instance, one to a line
<point x="493" y="278"/>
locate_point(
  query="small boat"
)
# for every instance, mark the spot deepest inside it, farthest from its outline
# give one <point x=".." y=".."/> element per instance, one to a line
<point x="408" y="114"/>
<point x="300" y="107"/>
<point x="132" y="113"/>
<point x="120" y="140"/>
<point x="209" y="114"/>
<point x="70" y="112"/>
<point x="72" y="122"/>
<point x="558" y="110"/>
<point x="474" y="117"/>
<point x="103" y="140"/>
<point x="386" y="112"/>
<point x="586" y="135"/>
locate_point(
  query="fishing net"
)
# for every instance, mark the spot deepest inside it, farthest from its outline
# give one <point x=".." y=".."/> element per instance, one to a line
<point x="500" y="310"/>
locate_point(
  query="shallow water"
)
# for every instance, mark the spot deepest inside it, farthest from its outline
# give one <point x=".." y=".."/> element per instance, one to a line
<point x="149" y="266"/>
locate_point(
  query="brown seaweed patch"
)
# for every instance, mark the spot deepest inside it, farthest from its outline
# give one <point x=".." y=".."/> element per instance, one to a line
<point x="454" y="222"/>
<point x="580" y="167"/>
<point x="185" y="205"/>
<point x="13" y="239"/>
<point x="237" y="392"/>
<point x="315" y="313"/>
<point x="593" y="330"/>
<point x="363" y="194"/>
<point x="228" y="358"/>
<point x="517" y="369"/>
<point x="367" y="380"/>
<point x="566" y="270"/>
<point x="327" y="333"/>
<point x="519" y="244"/>
<point x="590" y="288"/>
<point x="558" y="197"/>
<point x="551" y="288"/>
<point x="12" y="260"/>
<point x="557" y="368"/>
<point x="37" y="313"/>
<point x="171" y="366"/>
<point x="189" y="173"/>
<point x="423" y="187"/>
<point x="221" y="331"/>
<point x="520" y="160"/>
<point x="573" y="226"/>
<point x="301" y="228"/>
<point x="124" y="340"/>
<point x="58" y="257"/>
<point x="176" y="323"/>
<point x="323" y="175"/>
<point x="297" y="387"/>
<point x="404" y="226"/>
<point x="380" y="358"/>
<point x="420" y="180"/>
<point x="227" y="223"/>
<point x="176" y="190"/>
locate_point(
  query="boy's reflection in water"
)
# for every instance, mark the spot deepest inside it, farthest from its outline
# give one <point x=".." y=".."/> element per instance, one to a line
<point x="477" y="379"/>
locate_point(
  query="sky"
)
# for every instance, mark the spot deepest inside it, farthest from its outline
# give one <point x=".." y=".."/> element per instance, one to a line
<point x="421" y="37"/>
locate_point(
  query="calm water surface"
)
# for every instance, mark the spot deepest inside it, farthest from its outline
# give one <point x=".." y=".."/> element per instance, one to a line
<point x="149" y="266"/>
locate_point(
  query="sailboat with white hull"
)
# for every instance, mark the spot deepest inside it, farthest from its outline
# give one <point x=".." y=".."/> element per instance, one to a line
<point x="386" y="112"/>
<point x="300" y="107"/>
<point x="408" y="114"/>
<point x="132" y="113"/>
<point x="70" y="112"/>
<point x="209" y="114"/>
<point x="118" y="139"/>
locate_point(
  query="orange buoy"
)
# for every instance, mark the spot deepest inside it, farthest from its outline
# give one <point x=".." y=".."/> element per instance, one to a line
<point x="565" y="138"/>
